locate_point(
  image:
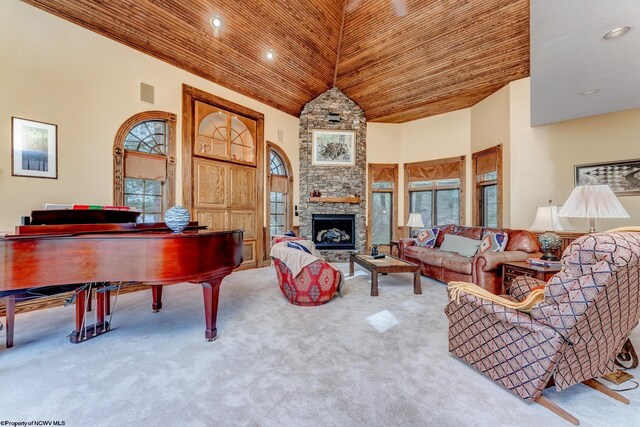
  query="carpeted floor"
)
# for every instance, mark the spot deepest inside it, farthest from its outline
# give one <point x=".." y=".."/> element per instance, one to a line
<point x="356" y="361"/>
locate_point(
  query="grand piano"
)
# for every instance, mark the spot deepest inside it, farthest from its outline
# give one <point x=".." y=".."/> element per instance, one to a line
<point x="63" y="255"/>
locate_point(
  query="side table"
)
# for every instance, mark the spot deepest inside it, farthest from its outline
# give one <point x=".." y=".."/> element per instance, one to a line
<point x="394" y="244"/>
<point x="511" y="270"/>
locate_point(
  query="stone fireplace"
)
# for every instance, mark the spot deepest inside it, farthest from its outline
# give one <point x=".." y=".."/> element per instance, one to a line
<point x="334" y="231"/>
<point x="334" y="182"/>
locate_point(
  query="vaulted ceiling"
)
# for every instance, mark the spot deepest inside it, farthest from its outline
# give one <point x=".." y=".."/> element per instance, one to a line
<point x="400" y="60"/>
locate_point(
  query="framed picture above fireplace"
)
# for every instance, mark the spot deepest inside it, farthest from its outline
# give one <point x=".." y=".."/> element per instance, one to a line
<point x="333" y="148"/>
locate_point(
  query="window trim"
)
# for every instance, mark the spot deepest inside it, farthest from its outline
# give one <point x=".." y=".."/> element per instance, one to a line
<point x="169" y="190"/>
<point x="476" y="192"/>
<point x="370" y="190"/>
<point x="289" y="202"/>
<point x="407" y="190"/>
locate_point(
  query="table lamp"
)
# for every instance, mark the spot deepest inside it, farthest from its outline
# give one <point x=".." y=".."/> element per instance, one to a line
<point x="593" y="201"/>
<point x="415" y="221"/>
<point x="547" y="220"/>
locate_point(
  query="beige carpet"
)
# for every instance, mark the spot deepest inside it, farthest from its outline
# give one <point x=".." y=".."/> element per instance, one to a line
<point x="356" y="361"/>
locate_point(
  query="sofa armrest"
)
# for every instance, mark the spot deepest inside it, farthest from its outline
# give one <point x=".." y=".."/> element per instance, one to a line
<point x="404" y="243"/>
<point x="490" y="261"/>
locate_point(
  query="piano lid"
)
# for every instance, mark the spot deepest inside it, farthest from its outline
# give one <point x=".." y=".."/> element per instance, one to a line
<point x="82" y="216"/>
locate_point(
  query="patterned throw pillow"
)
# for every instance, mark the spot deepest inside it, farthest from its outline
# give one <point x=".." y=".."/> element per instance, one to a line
<point x="290" y="233"/>
<point x="427" y="237"/>
<point x="493" y="242"/>
<point x="298" y="246"/>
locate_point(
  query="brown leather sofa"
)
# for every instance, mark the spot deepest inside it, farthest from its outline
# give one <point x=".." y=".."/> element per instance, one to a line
<point x="482" y="269"/>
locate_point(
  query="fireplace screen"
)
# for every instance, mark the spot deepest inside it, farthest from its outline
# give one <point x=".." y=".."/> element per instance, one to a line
<point x="334" y="231"/>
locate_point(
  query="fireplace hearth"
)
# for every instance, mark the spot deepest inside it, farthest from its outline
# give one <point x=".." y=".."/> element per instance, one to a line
<point x="334" y="231"/>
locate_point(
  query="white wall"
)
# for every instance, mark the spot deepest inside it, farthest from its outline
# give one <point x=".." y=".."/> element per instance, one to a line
<point x="542" y="158"/>
<point x="490" y="126"/>
<point x="57" y="72"/>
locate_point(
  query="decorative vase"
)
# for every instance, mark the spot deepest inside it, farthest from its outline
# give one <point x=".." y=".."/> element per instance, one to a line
<point x="176" y="218"/>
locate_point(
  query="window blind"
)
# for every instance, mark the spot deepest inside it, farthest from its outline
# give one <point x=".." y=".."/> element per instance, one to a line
<point x="145" y="166"/>
<point x="436" y="169"/>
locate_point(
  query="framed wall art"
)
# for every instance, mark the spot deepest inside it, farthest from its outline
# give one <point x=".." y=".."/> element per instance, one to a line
<point x="34" y="147"/>
<point x="622" y="176"/>
<point x="333" y="148"/>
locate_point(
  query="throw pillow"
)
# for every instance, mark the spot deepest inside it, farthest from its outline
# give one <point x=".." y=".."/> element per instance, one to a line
<point x="493" y="242"/>
<point x="298" y="246"/>
<point x="290" y="233"/>
<point x="460" y="245"/>
<point x="427" y="237"/>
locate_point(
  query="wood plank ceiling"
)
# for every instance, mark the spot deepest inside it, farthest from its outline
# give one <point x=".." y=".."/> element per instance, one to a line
<point x="442" y="55"/>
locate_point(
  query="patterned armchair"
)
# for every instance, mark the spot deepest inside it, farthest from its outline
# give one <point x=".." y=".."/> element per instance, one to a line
<point x="573" y="335"/>
<point x="314" y="285"/>
<point x="307" y="280"/>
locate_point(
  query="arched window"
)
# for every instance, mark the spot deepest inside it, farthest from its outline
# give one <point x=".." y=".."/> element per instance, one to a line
<point x="144" y="164"/>
<point x="280" y="191"/>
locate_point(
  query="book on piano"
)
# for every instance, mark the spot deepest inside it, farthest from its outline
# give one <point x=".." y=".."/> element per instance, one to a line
<point x="58" y="206"/>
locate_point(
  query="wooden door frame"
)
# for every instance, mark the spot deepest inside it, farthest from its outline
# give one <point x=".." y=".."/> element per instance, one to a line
<point x="189" y="96"/>
<point x="287" y="165"/>
<point x="476" y="215"/>
<point x="394" y="190"/>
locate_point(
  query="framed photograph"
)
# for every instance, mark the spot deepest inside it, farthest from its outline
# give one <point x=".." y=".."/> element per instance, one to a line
<point x="34" y="147"/>
<point x="334" y="148"/>
<point x="622" y="176"/>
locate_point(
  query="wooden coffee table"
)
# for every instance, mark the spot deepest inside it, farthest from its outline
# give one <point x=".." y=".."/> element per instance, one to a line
<point x="388" y="264"/>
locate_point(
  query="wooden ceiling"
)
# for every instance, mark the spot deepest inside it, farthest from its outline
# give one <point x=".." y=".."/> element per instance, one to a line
<point x="442" y="55"/>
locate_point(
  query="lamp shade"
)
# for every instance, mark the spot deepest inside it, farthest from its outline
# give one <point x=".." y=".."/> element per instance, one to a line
<point x="547" y="219"/>
<point x="415" y="220"/>
<point x="593" y="201"/>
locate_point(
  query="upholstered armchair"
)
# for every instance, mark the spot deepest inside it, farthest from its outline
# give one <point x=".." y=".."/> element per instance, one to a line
<point x="304" y="278"/>
<point x="573" y="335"/>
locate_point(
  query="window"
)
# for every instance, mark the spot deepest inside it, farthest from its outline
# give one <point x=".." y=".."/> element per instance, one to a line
<point x="441" y="203"/>
<point x="280" y="197"/>
<point x="146" y="196"/>
<point x="144" y="166"/>
<point x="436" y="190"/>
<point x="382" y="204"/>
<point x="487" y="189"/>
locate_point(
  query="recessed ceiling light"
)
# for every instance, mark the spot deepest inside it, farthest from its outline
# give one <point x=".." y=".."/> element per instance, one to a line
<point x="589" y="92"/>
<point x="616" y="32"/>
<point x="215" y="22"/>
<point x="270" y="54"/>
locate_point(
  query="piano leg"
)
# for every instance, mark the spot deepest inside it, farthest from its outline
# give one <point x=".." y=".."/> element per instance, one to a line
<point x="211" y="291"/>
<point x="10" y="308"/>
<point x="80" y="307"/>
<point x="107" y="302"/>
<point x="156" y="292"/>
<point x="102" y="308"/>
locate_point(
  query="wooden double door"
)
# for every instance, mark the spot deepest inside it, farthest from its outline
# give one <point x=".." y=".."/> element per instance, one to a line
<point x="224" y="198"/>
<point x="223" y="168"/>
